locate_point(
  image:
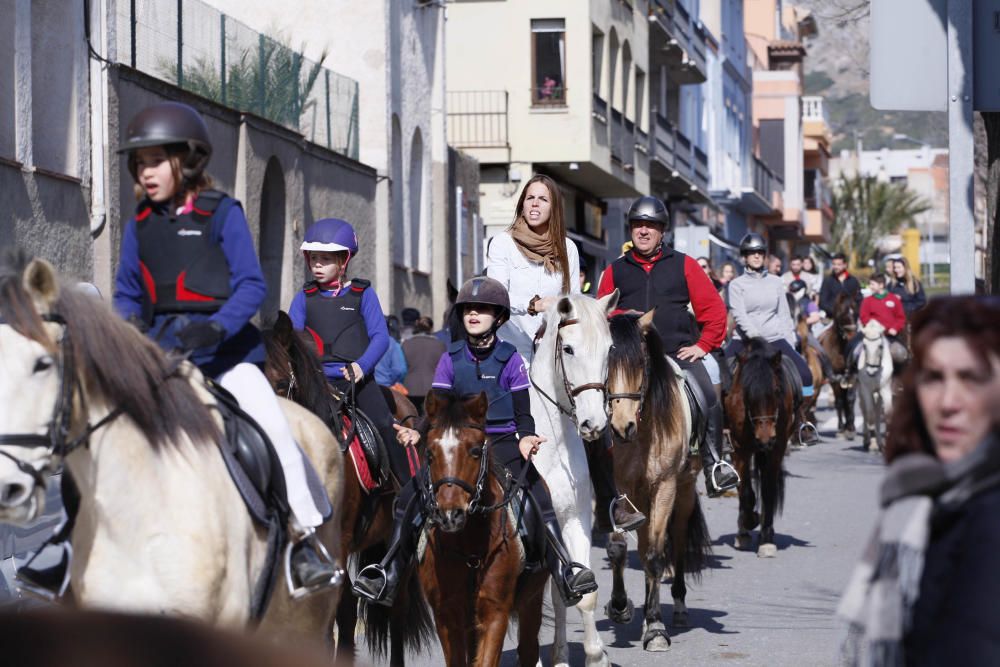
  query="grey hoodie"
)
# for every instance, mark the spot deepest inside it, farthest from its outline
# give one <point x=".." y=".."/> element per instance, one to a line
<point x="758" y="304"/>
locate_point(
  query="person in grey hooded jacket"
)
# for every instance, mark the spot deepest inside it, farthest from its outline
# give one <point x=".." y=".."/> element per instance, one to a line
<point x="760" y="309"/>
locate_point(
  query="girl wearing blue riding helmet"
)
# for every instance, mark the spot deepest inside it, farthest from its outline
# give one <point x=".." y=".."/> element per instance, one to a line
<point x="346" y="323"/>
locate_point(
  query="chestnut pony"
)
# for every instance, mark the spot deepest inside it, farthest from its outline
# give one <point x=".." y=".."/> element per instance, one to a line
<point x="471" y="571"/>
<point x="295" y="372"/>
<point x="834" y="340"/>
<point x="651" y="426"/>
<point x="760" y="416"/>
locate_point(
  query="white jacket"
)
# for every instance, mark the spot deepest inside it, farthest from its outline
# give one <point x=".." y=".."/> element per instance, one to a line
<point x="523" y="280"/>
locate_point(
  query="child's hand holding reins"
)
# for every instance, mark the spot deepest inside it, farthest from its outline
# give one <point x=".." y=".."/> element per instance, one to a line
<point x="353" y="372"/>
<point x="529" y="445"/>
<point x="407" y="437"/>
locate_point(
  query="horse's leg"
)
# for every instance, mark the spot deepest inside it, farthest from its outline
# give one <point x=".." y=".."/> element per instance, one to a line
<point x="529" y="617"/>
<point x="849" y="396"/>
<point x="680" y="533"/>
<point x="494" y="603"/>
<point x="576" y="534"/>
<point x="653" y="543"/>
<point x="770" y="467"/>
<point x="747" y="519"/>
<point x="347" y="622"/>
<point x="619" y="608"/>
<point x="840" y="403"/>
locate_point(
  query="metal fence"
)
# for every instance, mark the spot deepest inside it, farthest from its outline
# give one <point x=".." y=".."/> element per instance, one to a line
<point x="200" y="49"/>
<point x="477" y="118"/>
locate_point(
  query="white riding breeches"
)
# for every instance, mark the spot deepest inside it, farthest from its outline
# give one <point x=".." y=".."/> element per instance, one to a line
<point x="253" y="392"/>
<point x="712" y="368"/>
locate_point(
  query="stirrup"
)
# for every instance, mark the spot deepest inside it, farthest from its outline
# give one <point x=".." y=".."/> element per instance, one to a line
<point x="36" y="590"/>
<point x="611" y="513"/>
<point x="711" y="476"/>
<point x="377" y="597"/>
<point x="809" y="427"/>
<point x="299" y="592"/>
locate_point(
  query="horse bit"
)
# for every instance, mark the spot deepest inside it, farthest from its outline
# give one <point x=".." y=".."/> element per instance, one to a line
<point x="571" y="391"/>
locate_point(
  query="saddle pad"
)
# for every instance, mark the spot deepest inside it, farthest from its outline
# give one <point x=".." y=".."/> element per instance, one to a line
<point x="360" y="461"/>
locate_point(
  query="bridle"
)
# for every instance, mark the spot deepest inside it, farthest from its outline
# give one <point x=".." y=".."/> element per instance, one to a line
<point x="873" y="368"/>
<point x="571" y="391"/>
<point x="56" y="438"/>
<point x="639" y="396"/>
<point x="480" y="452"/>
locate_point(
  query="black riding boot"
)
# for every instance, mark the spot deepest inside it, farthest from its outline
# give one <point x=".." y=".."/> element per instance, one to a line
<point x="46" y="573"/>
<point x="572" y="579"/>
<point x="720" y="476"/>
<point x="312" y="567"/>
<point x="379" y="583"/>
<point x="611" y="513"/>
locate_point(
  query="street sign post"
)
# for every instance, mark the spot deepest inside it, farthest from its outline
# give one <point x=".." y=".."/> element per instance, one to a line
<point x="922" y="59"/>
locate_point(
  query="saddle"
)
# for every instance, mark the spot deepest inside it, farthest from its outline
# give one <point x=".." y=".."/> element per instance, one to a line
<point x="699" y="409"/>
<point x="361" y="441"/>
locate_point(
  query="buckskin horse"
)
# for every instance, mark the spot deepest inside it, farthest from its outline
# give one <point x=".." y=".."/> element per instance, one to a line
<point x="472" y="569"/>
<point x="651" y="426"/>
<point x="834" y="341"/>
<point x="295" y="372"/>
<point x="161" y="527"/>
<point x="760" y="415"/>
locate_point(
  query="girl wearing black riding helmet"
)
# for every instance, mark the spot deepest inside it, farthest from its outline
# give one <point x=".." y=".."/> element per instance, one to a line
<point x="190" y="277"/>
<point x="478" y="361"/>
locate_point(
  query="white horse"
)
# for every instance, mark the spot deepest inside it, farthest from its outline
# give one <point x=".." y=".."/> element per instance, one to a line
<point x="875" y="383"/>
<point x="160" y="529"/>
<point x="569" y="375"/>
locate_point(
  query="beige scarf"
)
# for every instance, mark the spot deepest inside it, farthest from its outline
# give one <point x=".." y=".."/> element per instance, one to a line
<point x="536" y="247"/>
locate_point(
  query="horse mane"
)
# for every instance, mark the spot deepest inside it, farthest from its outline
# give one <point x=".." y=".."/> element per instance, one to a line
<point x="450" y="409"/>
<point x="119" y="365"/>
<point x="757" y="377"/>
<point x="661" y="389"/>
<point x="300" y="356"/>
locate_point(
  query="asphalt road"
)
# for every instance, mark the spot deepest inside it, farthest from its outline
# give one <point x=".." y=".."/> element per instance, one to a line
<point x="747" y="610"/>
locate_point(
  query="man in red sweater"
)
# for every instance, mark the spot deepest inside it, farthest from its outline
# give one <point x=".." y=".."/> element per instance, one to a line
<point x="887" y="309"/>
<point x="653" y="274"/>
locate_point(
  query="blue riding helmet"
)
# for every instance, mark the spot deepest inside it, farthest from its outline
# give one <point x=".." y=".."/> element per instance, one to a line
<point x="331" y="235"/>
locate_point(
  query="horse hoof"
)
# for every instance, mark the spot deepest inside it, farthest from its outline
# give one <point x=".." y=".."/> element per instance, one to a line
<point x="767" y="551"/>
<point x="849" y="436"/>
<point x="680" y="619"/>
<point x="620" y="616"/>
<point x="656" y="640"/>
<point x="744" y="542"/>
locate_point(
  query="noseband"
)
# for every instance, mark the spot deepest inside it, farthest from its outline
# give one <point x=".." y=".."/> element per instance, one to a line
<point x="640" y="395"/>
<point x="571" y="391"/>
<point x="475" y="492"/>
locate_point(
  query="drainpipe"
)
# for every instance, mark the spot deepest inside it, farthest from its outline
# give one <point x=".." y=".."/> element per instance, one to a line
<point x="98" y="121"/>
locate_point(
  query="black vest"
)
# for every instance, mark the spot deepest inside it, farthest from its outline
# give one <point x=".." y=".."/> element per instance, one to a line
<point x="664" y="287"/>
<point x="181" y="260"/>
<point x="337" y="323"/>
<point x="473" y="376"/>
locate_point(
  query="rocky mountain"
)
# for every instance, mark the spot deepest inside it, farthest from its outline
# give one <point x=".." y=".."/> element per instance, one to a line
<point x="837" y="68"/>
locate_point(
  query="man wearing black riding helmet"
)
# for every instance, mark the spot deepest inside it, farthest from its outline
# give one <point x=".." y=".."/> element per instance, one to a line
<point x="654" y="275"/>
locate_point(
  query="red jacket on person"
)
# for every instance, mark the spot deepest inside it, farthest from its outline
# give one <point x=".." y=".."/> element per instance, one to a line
<point x="887" y="311"/>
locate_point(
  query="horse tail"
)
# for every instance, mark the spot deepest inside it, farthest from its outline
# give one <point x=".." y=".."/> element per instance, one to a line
<point x="769" y="477"/>
<point x="411" y="613"/>
<point x="699" y="543"/>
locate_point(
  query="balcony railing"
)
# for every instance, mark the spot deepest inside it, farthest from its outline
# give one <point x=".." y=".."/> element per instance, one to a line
<point x="663" y="145"/>
<point x="477" y="118"/>
<point x="813" y="109"/>
<point x="700" y="168"/>
<point x="765" y="181"/>
<point x="600" y="109"/>
<point x="549" y="96"/>
<point x="816" y="192"/>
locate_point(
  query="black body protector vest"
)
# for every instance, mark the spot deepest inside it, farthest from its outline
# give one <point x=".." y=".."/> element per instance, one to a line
<point x="472" y="377"/>
<point x="664" y="287"/>
<point x="183" y="267"/>
<point x="336" y="323"/>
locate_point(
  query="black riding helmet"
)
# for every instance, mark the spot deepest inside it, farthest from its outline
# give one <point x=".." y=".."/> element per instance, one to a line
<point x="796" y="285"/>
<point x="167" y="124"/>
<point x="480" y="290"/>
<point x="752" y="242"/>
<point x="649" y="209"/>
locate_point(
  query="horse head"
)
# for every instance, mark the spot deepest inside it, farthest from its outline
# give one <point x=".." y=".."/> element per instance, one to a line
<point x="872" y="347"/>
<point x="31" y="387"/>
<point x="760" y="380"/>
<point x="845" y="316"/>
<point x="570" y="365"/>
<point x="628" y="372"/>
<point x="279" y="368"/>
<point x="457" y="457"/>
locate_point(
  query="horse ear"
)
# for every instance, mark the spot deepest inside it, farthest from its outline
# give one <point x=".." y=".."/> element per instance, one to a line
<point x="476" y="408"/>
<point x="452" y="292"/>
<point x="432" y="404"/>
<point x="776" y="361"/>
<point x="609" y="302"/>
<point x="565" y="306"/>
<point x="646" y="320"/>
<point x="282" y="329"/>
<point x="39" y="281"/>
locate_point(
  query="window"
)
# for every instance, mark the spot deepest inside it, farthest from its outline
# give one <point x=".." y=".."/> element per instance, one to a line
<point x="597" y="54"/>
<point x="640" y="98"/>
<point x="548" y="45"/>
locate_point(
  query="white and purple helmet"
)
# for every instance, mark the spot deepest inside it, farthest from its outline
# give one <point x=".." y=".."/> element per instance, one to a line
<point x="331" y="235"/>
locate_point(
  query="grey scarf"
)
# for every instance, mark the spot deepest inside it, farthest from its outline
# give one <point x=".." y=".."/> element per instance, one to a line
<point x="883" y="589"/>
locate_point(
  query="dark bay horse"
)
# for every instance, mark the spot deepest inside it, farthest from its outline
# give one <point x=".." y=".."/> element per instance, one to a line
<point x="472" y="570"/>
<point x="834" y="340"/>
<point x="296" y="372"/>
<point x="651" y="426"/>
<point x="760" y="415"/>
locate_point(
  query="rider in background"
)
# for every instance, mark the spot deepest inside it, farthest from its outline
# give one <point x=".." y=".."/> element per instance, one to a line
<point x="887" y="309"/>
<point x="189" y="276"/>
<point x="479" y="361"/>
<point x="344" y="318"/>
<point x="758" y="304"/>
<point x="907" y="287"/>
<point x="797" y="272"/>
<point x="804" y="308"/>
<point x="654" y="275"/>
<point x="839" y="281"/>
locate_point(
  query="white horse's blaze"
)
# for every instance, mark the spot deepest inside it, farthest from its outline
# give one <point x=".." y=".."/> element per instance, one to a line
<point x="449" y="445"/>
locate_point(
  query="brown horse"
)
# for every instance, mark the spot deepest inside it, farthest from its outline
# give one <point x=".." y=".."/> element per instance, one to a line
<point x="651" y="425"/>
<point x="834" y="340"/>
<point x="472" y="569"/>
<point x="760" y="415"/>
<point x="295" y="372"/>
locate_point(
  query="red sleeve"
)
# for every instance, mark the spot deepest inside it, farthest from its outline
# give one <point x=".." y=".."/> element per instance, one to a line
<point x="709" y="309"/>
<point x="607" y="283"/>
<point x="866" y="310"/>
<point x="898" y="314"/>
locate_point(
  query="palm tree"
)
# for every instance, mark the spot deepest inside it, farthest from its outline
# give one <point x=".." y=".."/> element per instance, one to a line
<point x="866" y="209"/>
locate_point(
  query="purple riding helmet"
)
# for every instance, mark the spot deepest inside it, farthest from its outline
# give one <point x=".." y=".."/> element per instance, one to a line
<point x="331" y="235"/>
